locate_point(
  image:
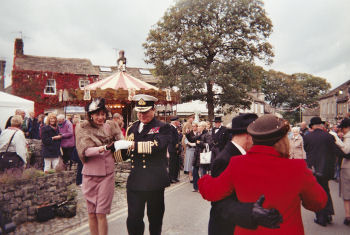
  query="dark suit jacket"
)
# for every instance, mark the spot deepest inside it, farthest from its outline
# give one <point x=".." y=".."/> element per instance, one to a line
<point x="321" y="152"/>
<point x="174" y="140"/>
<point x="220" y="138"/>
<point x="226" y="213"/>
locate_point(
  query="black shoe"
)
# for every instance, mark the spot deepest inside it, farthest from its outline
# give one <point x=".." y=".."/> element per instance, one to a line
<point x="177" y="180"/>
<point x="347" y="221"/>
<point x="191" y="181"/>
<point x="322" y="223"/>
<point x="173" y="181"/>
<point x="329" y="219"/>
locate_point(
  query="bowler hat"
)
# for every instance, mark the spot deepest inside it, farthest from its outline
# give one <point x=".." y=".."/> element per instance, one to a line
<point x="217" y="119"/>
<point x="268" y="129"/>
<point x="344" y="123"/>
<point x="315" y="121"/>
<point x="241" y="122"/>
<point x="174" y="118"/>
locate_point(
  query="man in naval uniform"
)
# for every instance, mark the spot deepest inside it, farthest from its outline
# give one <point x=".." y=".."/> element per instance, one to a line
<point x="148" y="177"/>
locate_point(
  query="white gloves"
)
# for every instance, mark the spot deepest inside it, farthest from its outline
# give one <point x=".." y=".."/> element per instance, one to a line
<point x="122" y="144"/>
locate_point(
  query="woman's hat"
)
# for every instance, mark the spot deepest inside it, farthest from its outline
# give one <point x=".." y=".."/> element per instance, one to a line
<point x="268" y="129"/>
<point x="315" y="121"/>
<point x="344" y="123"/>
<point x="241" y="122"/>
<point x="95" y="105"/>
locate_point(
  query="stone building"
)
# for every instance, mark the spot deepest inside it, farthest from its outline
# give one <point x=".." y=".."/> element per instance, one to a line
<point x="334" y="105"/>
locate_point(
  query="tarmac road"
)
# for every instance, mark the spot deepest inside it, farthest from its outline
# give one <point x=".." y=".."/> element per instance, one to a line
<point x="187" y="213"/>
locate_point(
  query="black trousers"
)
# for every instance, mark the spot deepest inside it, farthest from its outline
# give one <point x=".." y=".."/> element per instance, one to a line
<point x="323" y="214"/>
<point x="136" y="208"/>
<point x="67" y="154"/>
<point x="174" y="165"/>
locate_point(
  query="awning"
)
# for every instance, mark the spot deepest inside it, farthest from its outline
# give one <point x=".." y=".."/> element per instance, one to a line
<point x="120" y="80"/>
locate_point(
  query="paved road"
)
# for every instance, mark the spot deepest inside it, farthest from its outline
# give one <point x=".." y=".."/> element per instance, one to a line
<point x="187" y="213"/>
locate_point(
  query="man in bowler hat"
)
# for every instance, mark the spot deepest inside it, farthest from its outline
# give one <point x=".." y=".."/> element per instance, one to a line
<point x="227" y="213"/>
<point x="321" y="152"/>
<point x="148" y="177"/>
<point x="220" y="137"/>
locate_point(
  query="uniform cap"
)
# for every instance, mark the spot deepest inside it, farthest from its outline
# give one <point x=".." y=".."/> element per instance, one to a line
<point x="143" y="102"/>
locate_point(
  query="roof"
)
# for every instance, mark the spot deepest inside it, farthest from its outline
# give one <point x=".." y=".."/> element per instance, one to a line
<point x="121" y="80"/>
<point x="55" y="64"/>
<point x="105" y="71"/>
<point x="335" y="90"/>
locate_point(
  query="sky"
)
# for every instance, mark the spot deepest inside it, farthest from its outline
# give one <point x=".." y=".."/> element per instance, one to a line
<point x="310" y="36"/>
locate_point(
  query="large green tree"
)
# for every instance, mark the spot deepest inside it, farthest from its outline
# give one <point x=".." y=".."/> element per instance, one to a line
<point x="289" y="91"/>
<point x="208" y="49"/>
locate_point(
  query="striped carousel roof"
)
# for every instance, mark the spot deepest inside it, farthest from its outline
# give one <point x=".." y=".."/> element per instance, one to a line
<point x="121" y="80"/>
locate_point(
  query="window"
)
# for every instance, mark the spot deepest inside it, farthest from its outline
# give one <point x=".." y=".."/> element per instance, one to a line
<point x="83" y="83"/>
<point x="50" y="88"/>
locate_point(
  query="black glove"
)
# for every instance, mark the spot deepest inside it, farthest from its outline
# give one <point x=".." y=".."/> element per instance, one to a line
<point x="269" y="218"/>
<point x="111" y="147"/>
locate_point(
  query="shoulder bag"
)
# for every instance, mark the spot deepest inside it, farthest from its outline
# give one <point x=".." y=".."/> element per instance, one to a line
<point x="205" y="156"/>
<point x="10" y="159"/>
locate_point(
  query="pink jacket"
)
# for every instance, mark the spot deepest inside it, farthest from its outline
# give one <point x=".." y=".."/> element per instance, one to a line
<point x="98" y="164"/>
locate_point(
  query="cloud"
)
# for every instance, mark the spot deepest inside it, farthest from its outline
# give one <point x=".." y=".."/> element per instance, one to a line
<point x="310" y="36"/>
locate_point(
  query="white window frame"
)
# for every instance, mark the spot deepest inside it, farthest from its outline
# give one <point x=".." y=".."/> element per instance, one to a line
<point x="53" y="86"/>
<point x="83" y="83"/>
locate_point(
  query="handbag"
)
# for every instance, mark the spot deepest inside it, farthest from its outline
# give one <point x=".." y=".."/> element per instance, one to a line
<point x="205" y="156"/>
<point x="10" y="159"/>
<point x="66" y="209"/>
<point x="45" y="212"/>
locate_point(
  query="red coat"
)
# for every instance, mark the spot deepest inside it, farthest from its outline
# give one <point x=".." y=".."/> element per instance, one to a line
<point x="284" y="182"/>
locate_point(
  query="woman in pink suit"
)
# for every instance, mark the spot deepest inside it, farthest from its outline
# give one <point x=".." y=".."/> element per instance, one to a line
<point x="266" y="169"/>
<point x="93" y="140"/>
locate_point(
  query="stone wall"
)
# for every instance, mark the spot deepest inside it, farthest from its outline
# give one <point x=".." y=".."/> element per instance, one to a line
<point x="122" y="172"/>
<point x="20" y="199"/>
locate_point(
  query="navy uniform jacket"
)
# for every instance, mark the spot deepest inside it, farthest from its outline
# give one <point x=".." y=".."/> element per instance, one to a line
<point x="148" y="158"/>
<point x="227" y="213"/>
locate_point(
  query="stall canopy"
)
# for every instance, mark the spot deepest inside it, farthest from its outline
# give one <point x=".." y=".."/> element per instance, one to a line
<point x="120" y="80"/>
<point x="8" y="105"/>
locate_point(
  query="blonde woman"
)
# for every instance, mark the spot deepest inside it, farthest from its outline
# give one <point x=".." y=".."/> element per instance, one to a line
<point x="51" y="140"/>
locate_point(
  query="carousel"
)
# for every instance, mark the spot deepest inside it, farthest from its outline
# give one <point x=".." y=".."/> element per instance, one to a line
<point x="118" y="90"/>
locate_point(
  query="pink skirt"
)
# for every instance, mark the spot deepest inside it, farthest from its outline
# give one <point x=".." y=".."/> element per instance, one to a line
<point x="98" y="192"/>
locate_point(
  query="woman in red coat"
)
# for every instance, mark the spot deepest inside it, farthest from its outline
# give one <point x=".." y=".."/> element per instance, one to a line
<point x="266" y="169"/>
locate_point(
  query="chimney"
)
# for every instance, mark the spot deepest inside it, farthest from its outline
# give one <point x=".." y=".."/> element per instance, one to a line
<point x="18" y="47"/>
<point x="2" y="75"/>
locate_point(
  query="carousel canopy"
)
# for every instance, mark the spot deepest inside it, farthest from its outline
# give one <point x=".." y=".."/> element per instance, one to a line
<point x="120" y="80"/>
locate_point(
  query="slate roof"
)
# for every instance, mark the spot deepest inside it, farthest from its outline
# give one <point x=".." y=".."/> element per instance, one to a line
<point x="55" y="64"/>
<point x="135" y="72"/>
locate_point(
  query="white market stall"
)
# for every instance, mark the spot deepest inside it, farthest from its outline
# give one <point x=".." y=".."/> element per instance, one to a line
<point x="8" y="105"/>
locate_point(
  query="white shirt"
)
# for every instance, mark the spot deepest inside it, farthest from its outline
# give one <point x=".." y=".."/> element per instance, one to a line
<point x="239" y="148"/>
<point x="141" y="127"/>
<point x="217" y="129"/>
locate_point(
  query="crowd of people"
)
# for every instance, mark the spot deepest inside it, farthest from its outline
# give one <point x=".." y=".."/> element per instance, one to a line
<point x="261" y="169"/>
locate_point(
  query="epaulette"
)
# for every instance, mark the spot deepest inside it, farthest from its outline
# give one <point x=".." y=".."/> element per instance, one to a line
<point x="130" y="125"/>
